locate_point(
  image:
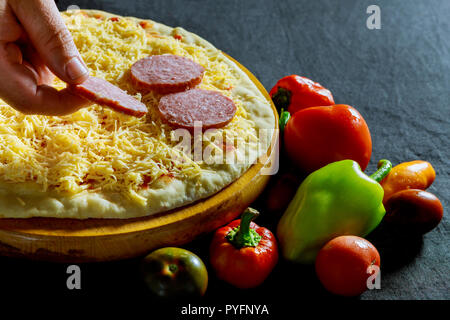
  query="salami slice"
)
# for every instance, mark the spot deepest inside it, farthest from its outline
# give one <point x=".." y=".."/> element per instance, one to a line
<point x="166" y="73"/>
<point x="104" y="93"/>
<point x="183" y="109"/>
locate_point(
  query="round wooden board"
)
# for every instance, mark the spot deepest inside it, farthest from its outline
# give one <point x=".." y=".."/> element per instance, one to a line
<point x="71" y="240"/>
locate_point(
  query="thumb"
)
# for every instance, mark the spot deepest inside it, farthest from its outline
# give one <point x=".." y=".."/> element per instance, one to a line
<point x="47" y="32"/>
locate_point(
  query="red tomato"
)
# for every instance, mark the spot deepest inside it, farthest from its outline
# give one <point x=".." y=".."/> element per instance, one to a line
<point x="342" y="265"/>
<point x="317" y="136"/>
<point x="413" y="211"/>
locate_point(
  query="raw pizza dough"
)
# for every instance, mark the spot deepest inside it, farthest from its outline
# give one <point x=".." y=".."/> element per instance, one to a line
<point x="97" y="163"/>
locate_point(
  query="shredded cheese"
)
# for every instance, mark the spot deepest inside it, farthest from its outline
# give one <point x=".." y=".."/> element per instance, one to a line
<point x="97" y="149"/>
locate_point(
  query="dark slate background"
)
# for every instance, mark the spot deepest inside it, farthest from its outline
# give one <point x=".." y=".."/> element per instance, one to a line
<point x="397" y="77"/>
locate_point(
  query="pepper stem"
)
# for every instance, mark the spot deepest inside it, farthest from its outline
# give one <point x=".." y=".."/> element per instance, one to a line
<point x="284" y="118"/>
<point x="244" y="236"/>
<point x="384" y="167"/>
<point x="282" y="98"/>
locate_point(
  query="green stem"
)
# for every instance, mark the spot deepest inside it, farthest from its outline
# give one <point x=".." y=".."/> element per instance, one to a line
<point x="384" y="167"/>
<point x="243" y="236"/>
<point x="284" y="118"/>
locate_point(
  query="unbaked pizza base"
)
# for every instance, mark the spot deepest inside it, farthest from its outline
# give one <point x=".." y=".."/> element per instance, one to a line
<point x="24" y="200"/>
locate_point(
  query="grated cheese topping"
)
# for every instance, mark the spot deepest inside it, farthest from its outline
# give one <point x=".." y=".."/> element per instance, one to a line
<point x="99" y="150"/>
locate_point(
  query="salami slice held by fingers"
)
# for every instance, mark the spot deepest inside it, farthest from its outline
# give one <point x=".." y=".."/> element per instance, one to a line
<point x="166" y="73"/>
<point x="106" y="94"/>
<point x="183" y="109"/>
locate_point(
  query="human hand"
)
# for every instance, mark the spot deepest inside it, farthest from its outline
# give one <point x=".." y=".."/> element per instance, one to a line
<point x="34" y="45"/>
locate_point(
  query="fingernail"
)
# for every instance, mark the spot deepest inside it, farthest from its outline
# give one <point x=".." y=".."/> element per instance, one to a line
<point x="75" y="68"/>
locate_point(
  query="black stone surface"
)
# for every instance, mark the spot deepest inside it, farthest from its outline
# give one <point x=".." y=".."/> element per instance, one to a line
<point x="398" y="77"/>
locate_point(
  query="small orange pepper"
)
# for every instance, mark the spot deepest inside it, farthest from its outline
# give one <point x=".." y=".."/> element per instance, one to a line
<point x="415" y="174"/>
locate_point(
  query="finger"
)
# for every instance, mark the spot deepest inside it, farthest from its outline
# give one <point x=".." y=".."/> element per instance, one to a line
<point x="19" y="88"/>
<point x="14" y="55"/>
<point x="49" y="35"/>
<point x="10" y="29"/>
<point x="45" y="76"/>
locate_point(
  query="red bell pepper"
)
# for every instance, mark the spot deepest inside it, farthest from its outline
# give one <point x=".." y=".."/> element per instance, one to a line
<point x="317" y="136"/>
<point x="294" y="93"/>
<point x="242" y="253"/>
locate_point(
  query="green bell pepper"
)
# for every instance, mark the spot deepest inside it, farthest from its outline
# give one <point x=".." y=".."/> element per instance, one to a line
<point x="338" y="199"/>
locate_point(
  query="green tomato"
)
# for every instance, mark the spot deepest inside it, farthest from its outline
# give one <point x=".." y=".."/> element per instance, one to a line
<point x="174" y="272"/>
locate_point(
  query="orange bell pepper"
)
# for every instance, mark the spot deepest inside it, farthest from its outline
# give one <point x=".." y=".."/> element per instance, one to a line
<point x="416" y="174"/>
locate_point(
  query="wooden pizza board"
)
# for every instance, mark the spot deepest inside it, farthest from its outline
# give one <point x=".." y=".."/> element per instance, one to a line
<point x="72" y="240"/>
